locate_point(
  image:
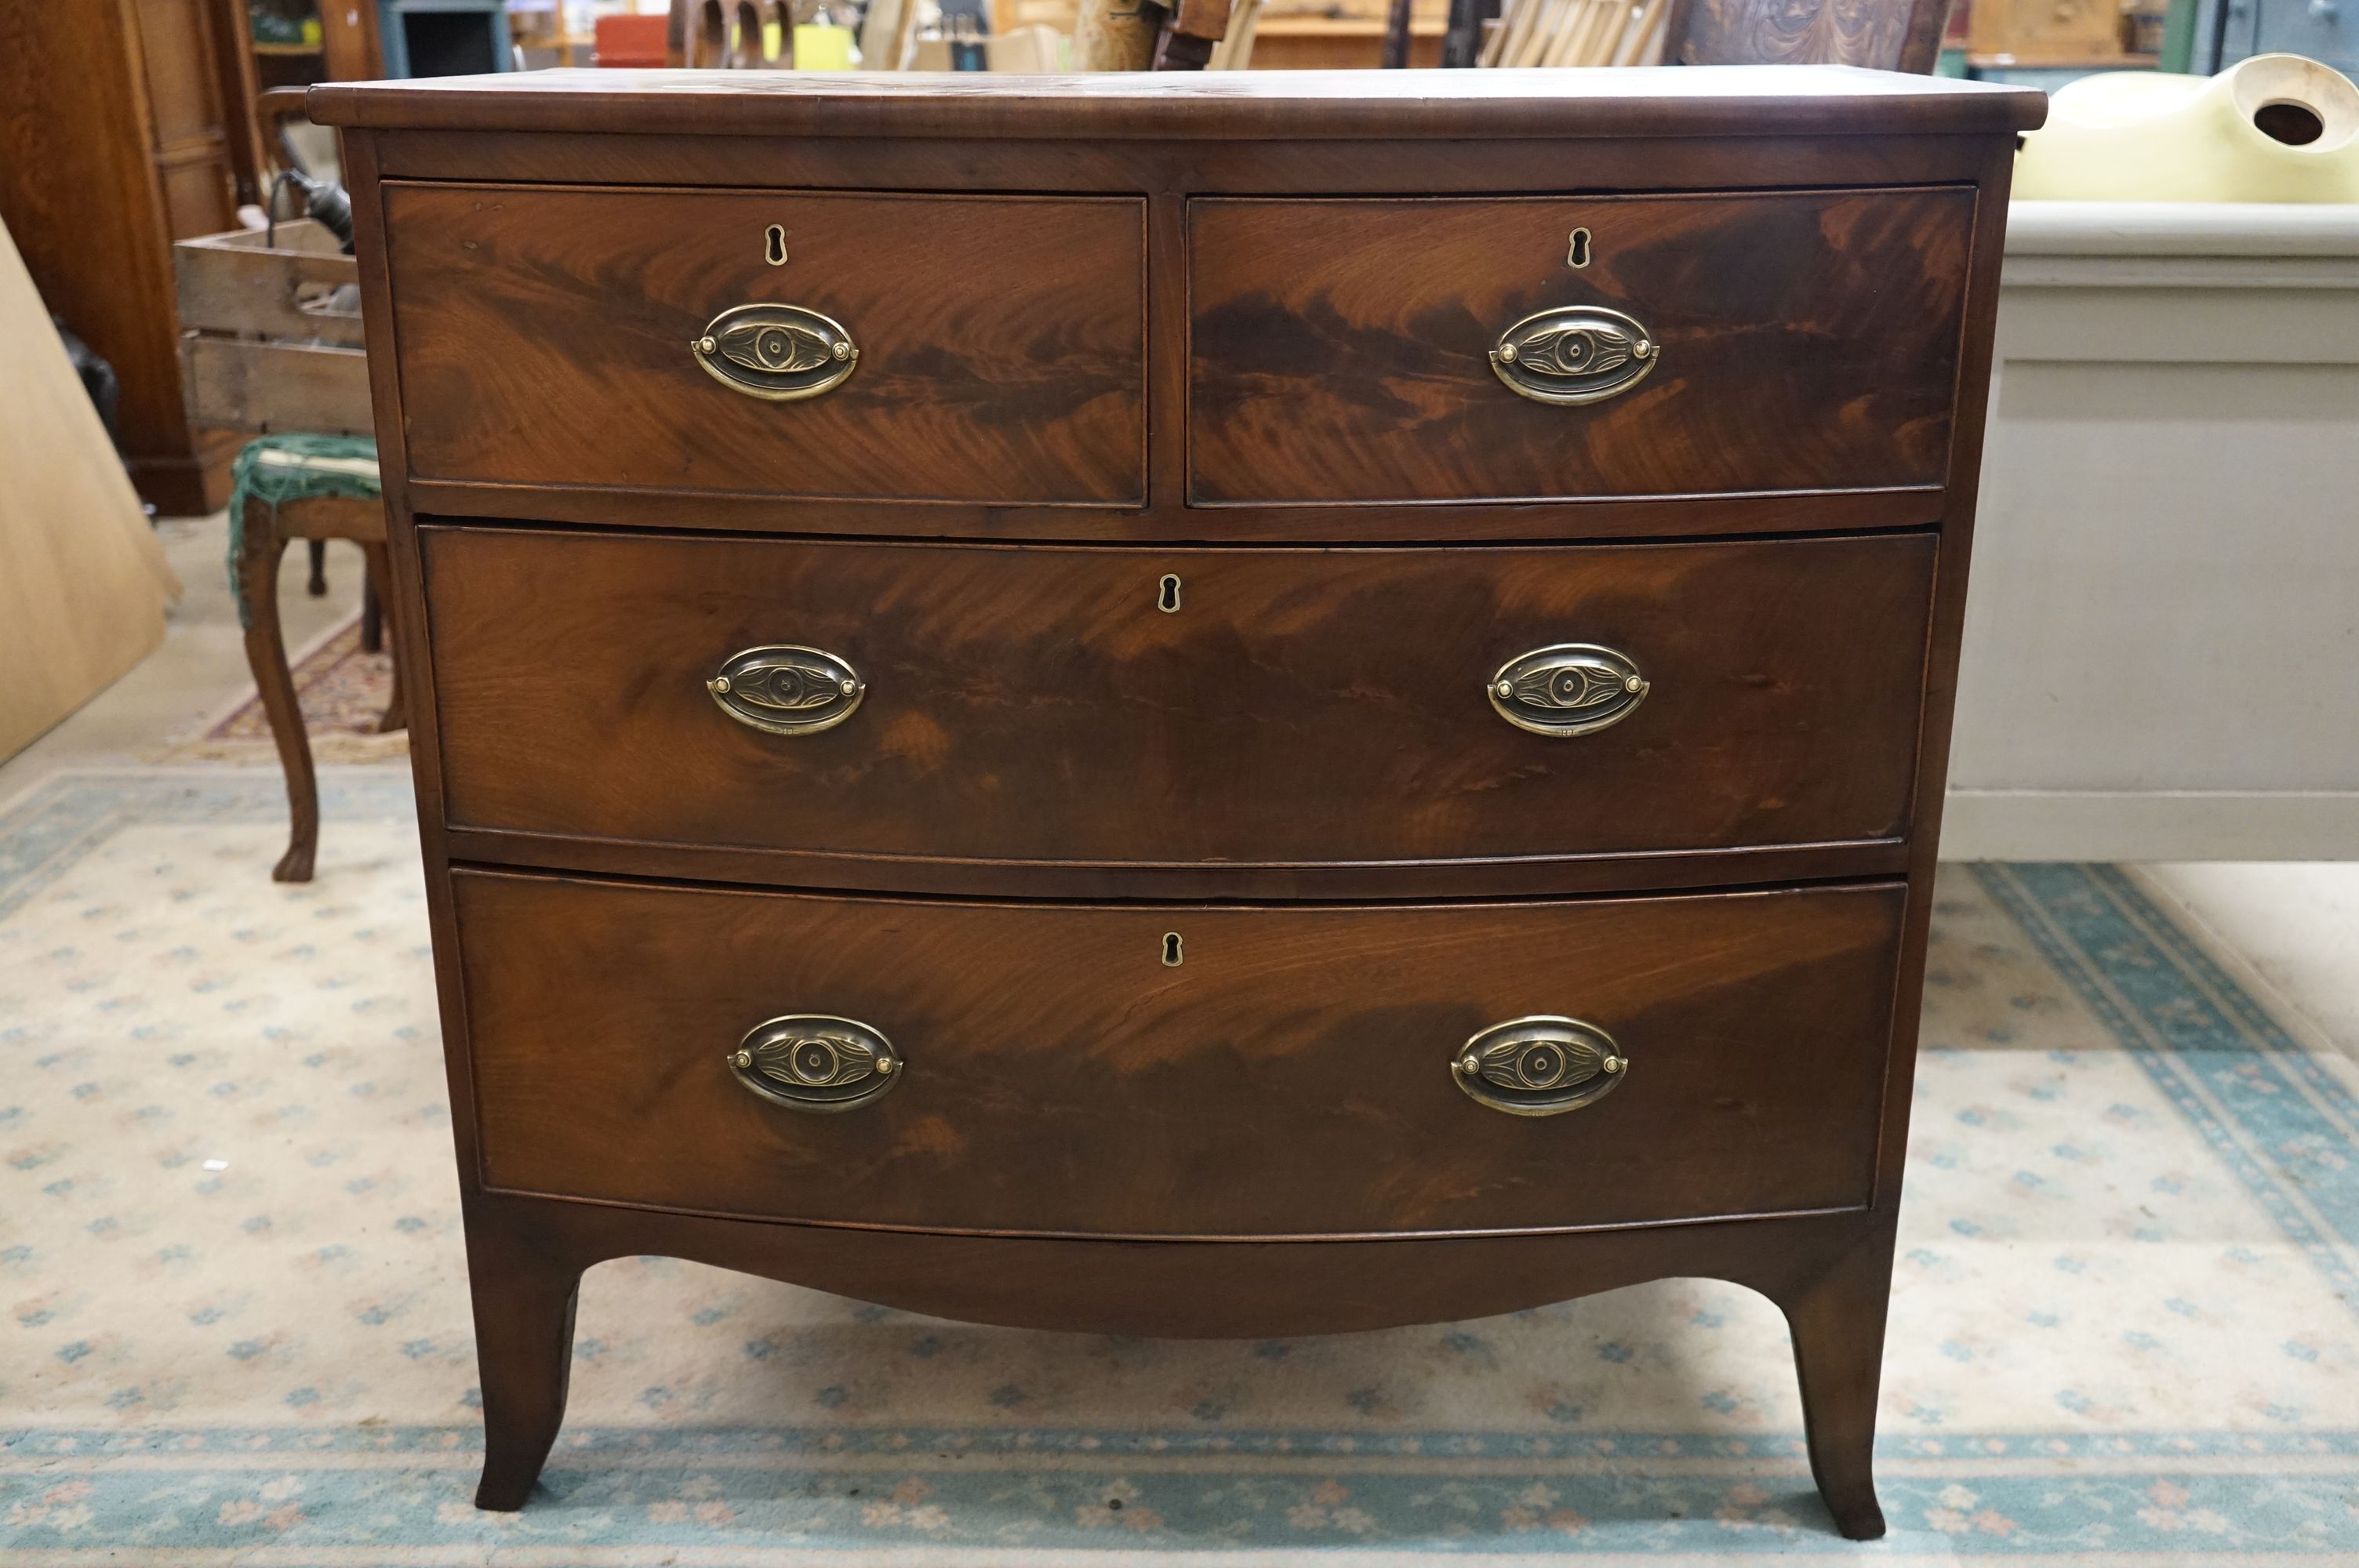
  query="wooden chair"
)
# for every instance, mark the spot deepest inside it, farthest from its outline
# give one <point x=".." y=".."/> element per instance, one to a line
<point x="262" y="545"/>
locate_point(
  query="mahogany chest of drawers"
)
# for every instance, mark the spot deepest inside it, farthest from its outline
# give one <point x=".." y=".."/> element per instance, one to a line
<point x="1182" y="705"/>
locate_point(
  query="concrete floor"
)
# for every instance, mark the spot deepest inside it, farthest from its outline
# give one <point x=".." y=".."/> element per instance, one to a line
<point x="2292" y="929"/>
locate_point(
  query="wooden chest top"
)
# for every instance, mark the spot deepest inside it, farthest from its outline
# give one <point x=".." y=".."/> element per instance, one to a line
<point x="1783" y="100"/>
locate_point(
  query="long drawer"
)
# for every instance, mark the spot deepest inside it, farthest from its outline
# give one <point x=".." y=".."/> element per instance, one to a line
<point x="1507" y="348"/>
<point x="1186" y="707"/>
<point x="980" y="349"/>
<point x="1178" y="1070"/>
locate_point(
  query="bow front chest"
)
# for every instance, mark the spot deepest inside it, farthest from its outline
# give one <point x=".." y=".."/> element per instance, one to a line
<point x="1182" y="705"/>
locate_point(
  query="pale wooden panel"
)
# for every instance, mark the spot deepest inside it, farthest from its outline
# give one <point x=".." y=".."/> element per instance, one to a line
<point x="82" y="581"/>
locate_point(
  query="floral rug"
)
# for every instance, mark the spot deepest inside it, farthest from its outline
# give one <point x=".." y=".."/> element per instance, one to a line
<point x="2125" y="1328"/>
<point x="341" y="689"/>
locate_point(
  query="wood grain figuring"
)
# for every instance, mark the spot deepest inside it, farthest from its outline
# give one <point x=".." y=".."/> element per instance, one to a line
<point x="1301" y="706"/>
<point x="1290" y="1076"/>
<point x="1002" y="341"/>
<point x="1807" y="341"/>
<point x="1265" y="1140"/>
<point x="1877" y="34"/>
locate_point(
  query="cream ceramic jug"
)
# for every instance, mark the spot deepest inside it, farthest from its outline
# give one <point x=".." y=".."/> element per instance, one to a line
<point x="2276" y="127"/>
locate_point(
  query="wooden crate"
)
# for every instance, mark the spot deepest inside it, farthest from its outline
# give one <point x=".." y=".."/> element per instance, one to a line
<point x="268" y="342"/>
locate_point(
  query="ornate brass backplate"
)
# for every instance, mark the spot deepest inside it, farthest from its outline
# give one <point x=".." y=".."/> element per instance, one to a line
<point x="1579" y="354"/>
<point x="1571" y="688"/>
<point x="788" y="689"/>
<point x="810" y="1060"/>
<point x="1539" y="1066"/>
<point x="780" y="352"/>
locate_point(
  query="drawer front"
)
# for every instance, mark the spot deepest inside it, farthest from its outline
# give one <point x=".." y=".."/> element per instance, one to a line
<point x="1293" y="1073"/>
<point x="1342" y="351"/>
<point x="994" y="347"/>
<point x="1041" y="705"/>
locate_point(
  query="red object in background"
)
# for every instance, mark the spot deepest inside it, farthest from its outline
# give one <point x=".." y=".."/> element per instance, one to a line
<point x="1962" y="16"/>
<point x="631" y="40"/>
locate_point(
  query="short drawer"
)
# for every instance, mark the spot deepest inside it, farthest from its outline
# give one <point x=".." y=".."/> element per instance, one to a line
<point x="1179" y="1070"/>
<point x="981" y="349"/>
<point x="1351" y="351"/>
<point x="1200" y="707"/>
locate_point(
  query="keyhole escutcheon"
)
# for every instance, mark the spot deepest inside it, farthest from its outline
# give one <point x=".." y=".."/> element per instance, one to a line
<point x="774" y="245"/>
<point x="1171" y="949"/>
<point x="1576" y="253"/>
<point x="1167" y="594"/>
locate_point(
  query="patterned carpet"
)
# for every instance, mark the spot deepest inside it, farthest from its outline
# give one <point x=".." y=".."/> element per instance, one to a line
<point x="342" y="688"/>
<point x="235" y="1327"/>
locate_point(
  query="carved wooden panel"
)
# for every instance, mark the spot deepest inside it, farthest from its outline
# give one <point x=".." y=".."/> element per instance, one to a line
<point x="1882" y="35"/>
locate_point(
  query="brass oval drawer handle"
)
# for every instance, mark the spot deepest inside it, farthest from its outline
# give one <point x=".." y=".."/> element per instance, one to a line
<point x="778" y="352"/>
<point x="1572" y="688"/>
<point x="787" y="689"/>
<point x="811" y="1061"/>
<point x="1579" y="354"/>
<point x="1539" y="1066"/>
